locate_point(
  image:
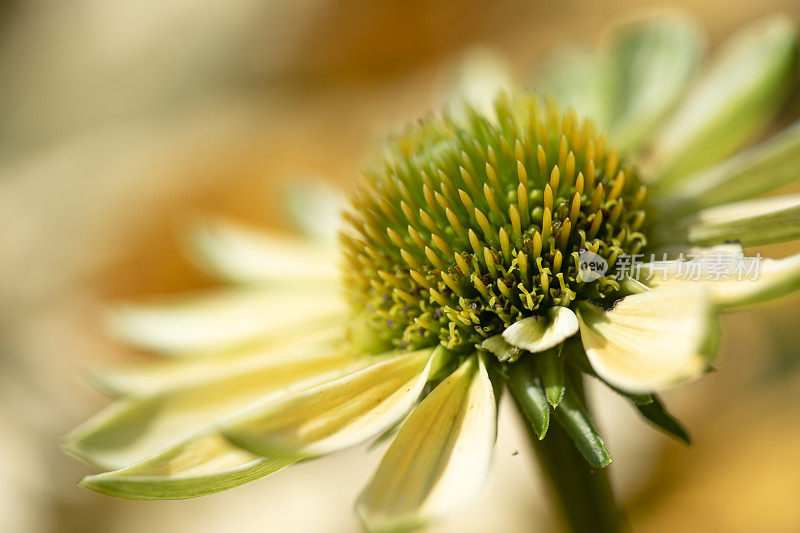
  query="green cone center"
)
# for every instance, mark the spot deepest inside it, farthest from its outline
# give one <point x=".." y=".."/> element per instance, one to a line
<point x="468" y="225"/>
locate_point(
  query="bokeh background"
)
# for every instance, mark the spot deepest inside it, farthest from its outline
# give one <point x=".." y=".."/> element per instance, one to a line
<point x="119" y="119"/>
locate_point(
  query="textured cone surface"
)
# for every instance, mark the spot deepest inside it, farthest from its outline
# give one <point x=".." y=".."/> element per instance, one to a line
<point x="467" y="226"/>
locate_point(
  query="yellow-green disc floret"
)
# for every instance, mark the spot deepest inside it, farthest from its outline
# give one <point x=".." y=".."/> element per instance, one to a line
<point x="467" y="226"/>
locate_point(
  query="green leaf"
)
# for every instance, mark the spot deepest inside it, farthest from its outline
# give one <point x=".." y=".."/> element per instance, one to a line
<point x="529" y="397"/>
<point x="748" y="81"/>
<point x="657" y="415"/>
<point x="573" y="417"/>
<point x="551" y="369"/>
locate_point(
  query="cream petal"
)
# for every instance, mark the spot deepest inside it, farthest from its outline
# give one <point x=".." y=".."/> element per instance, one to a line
<point x="199" y="323"/>
<point x="144" y="379"/>
<point x="316" y="206"/>
<point x="654" y="58"/>
<point x="580" y="80"/>
<point x="731" y="280"/>
<point x="236" y="253"/>
<point x="338" y="414"/>
<point x="479" y="75"/>
<point x="651" y="340"/>
<point x="198" y="467"/>
<point x="753" y="172"/>
<point x="752" y="222"/>
<point x="748" y="80"/>
<point x="137" y="428"/>
<point x="537" y="334"/>
<point x="440" y="456"/>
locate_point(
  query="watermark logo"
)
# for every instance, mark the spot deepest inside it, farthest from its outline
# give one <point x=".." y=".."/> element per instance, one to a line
<point x="591" y="266"/>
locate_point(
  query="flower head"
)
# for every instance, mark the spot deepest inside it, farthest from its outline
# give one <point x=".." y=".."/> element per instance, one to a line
<point x="482" y="250"/>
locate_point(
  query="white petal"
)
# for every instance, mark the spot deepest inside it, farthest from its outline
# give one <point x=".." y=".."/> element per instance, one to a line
<point x="145" y="379"/>
<point x="752" y="222"/>
<point x="233" y="252"/>
<point x="134" y="429"/>
<point x="652" y="340"/>
<point x="335" y="415"/>
<point x="316" y="207"/>
<point x="440" y="456"/>
<point x="197" y="467"/>
<point x="581" y="80"/>
<point x="748" y="174"/>
<point x="748" y="80"/>
<point x="732" y="281"/>
<point x="537" y="334"/>
<point x="481" y="73"/>
<point x="654" y="59"/>
<point x="216" y="319"/>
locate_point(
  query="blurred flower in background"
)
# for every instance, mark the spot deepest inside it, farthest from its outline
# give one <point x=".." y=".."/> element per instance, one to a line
<point x="118" y="118"/>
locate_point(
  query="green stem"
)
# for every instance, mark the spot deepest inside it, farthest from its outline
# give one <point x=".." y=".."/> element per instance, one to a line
<point x="582" y="494"/>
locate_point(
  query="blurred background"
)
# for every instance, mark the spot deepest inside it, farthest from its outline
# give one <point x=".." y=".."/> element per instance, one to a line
<point x="118" y="119"/>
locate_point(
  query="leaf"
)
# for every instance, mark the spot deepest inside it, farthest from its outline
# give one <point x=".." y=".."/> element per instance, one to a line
<point x="658" y="416"/>
<point x="551" y="369"/>
<point x="572" y="416"/>
<point x="529" y="397"/>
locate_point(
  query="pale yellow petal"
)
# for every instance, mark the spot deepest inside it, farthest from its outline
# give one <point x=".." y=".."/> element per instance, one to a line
<point x="751" y="222"/>
<point x="134" y="429"/>
<point x="234" y="252"/>
<point x="731" y="280"/>
<point x="652" y="340"/>
<point x="338" y="414"/>
<point x="748" y="80"/>
<point x="440" y="456"/>
<point x="540" y="333"/>
<point x="145" y="379"/>
<point x="208" y="321"/>
<point x="198" y="467"/>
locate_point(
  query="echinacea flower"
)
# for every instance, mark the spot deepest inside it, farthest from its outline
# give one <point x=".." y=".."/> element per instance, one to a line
<point x="469" y="263"/>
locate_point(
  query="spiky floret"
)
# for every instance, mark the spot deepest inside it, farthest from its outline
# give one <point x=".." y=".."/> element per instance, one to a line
<point x="467" y="226"/>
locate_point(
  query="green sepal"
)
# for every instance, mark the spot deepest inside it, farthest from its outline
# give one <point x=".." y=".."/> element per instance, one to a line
<point x="573" y="417"/>
<point x="529" y="397"/>
<point x="656" y="414"/>
<point x="551" y="370"/>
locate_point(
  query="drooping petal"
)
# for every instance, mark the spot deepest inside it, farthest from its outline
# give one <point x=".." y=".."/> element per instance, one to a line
<point x="145" y="379"/>
<point x="537" y="334"/>
<point x="747" y="82"/>
<point x="236" y="253"/>
<point x="759" y="170"/>
<point x="732" y="281"/>
<point x="137" y="428"/>
<point x="752" y="222"/>
<point x="199" y="323"/>
<point x="198" y="467"/>
<point x="479" y="75"/>
<point x="316" y="207"/>
<point x="440" y="456"/>
<point x="652" y="340"/>
<point x="580" y="80"/>
<point x="338" y="414"/>
<point x="654" y="59"/>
